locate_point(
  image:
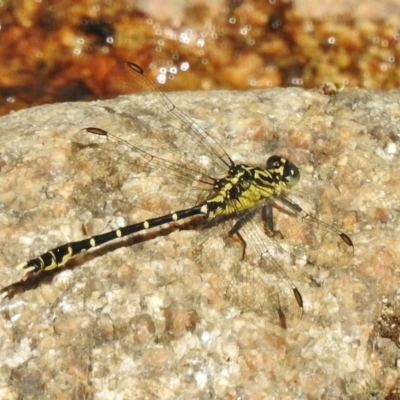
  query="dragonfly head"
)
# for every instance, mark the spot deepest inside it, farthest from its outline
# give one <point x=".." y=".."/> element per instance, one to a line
<point x="288" y="171"/>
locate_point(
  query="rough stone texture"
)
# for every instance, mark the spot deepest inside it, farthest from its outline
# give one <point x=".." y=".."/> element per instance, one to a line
<point x="145" y="320"/>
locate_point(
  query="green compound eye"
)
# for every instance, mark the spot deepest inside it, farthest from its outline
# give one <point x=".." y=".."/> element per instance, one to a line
<point x="291" y="173"/>
<point x="236" y="193"/>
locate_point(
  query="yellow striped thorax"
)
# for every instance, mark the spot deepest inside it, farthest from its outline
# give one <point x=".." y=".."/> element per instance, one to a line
<point x="246" y="187"/>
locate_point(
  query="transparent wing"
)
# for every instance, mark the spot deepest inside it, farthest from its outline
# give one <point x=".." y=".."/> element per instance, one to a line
<point x="264" y="279"/>
<point x="181" y="135"/>
<point x="260" y="281"/>
<point x="101" y="153"/>
<point x="311" y="239"/>
<point x="158" y="139"/>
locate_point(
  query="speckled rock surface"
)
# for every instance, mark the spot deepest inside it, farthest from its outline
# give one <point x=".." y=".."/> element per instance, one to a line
<point x="145" y="320"/>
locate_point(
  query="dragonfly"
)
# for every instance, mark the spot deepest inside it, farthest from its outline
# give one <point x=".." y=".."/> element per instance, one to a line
<point x="239" y="198"/>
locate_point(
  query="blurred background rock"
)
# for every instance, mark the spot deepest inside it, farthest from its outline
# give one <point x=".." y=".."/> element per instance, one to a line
<point x="55" y="50"/>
